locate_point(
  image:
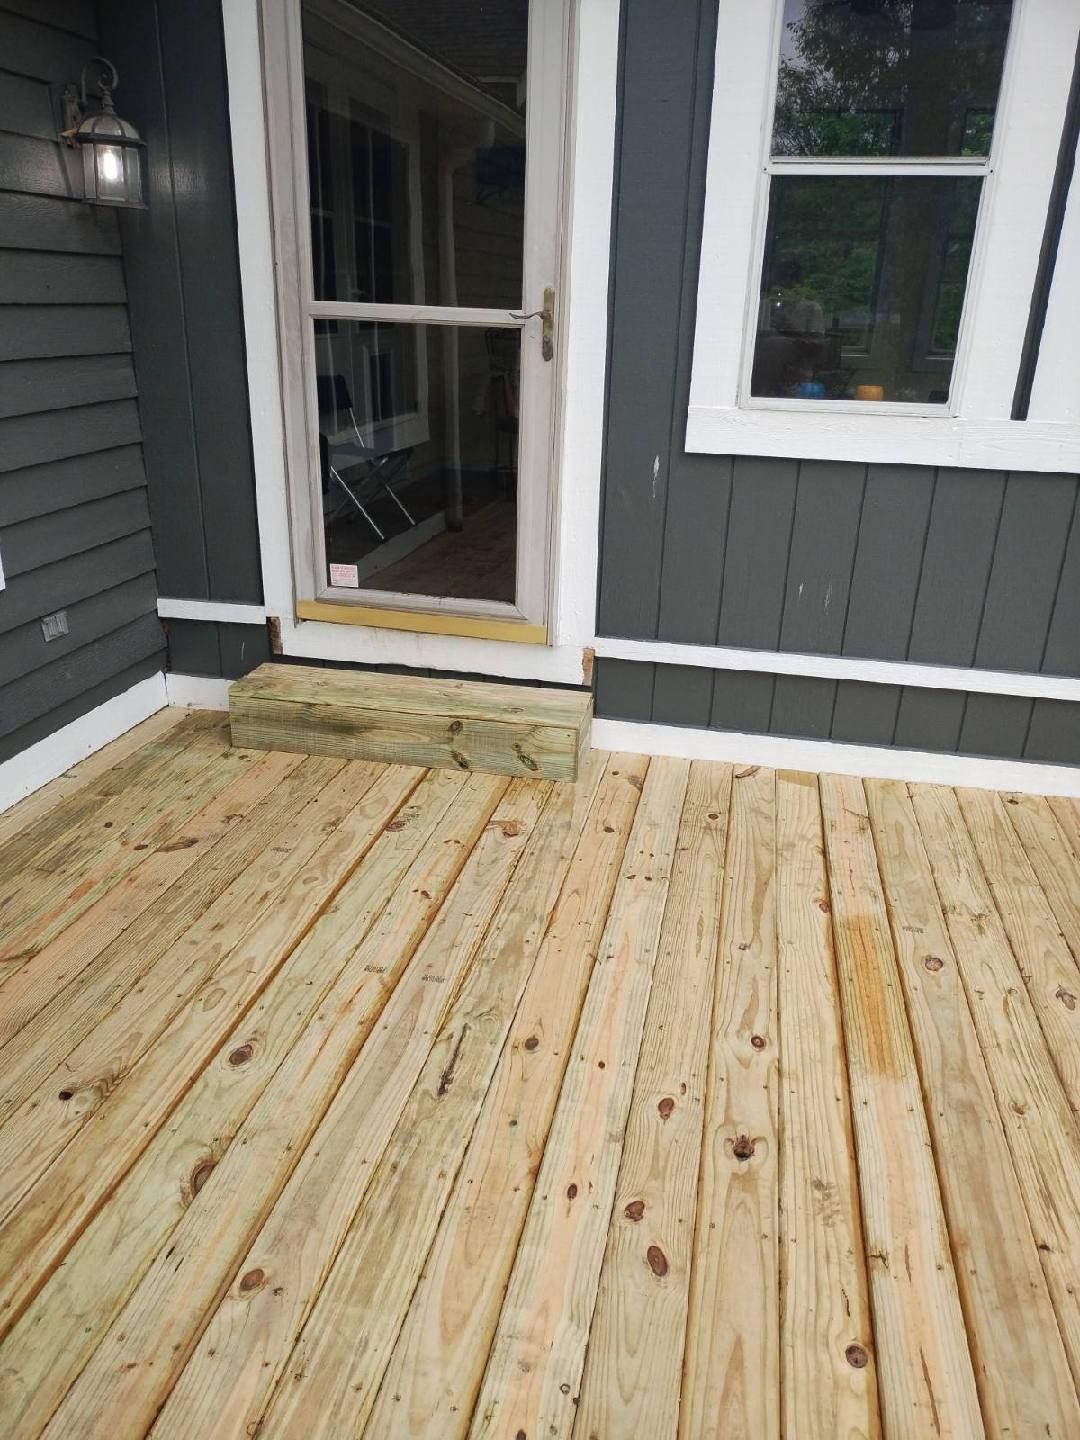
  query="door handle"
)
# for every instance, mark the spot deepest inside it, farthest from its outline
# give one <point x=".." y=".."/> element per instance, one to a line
<point x="547" y="316"/>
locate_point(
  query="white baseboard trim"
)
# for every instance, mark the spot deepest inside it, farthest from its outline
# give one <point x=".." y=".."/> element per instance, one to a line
<point x="29" y="771"/>
<point x="197" y="692"/>
<point x="867" y="761"/>
<point x="220" y="610"/>
<point x="843" y="667"/>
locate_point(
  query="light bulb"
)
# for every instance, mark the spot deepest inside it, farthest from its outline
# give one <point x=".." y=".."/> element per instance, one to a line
<point x="111" y="168"/>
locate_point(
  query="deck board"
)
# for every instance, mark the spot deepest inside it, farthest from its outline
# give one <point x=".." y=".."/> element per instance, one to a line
<point x="731" y="1384"/>
<point x="824" y="1297"/>
<point x="1021" y="1370"/>
<point x="636" y="1343"/>
<point x="424" y="1104"/>
<point x="925" y="1377"/>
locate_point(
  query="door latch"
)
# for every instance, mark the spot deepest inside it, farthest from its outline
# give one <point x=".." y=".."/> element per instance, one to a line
<point x="547" y="317"/>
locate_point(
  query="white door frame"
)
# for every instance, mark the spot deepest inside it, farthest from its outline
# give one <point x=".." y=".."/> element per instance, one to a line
<point x="582" y="347"/>
<point x="542" y="529"/>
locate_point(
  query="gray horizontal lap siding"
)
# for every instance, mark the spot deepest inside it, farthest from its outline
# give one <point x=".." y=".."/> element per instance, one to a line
<point x="886" y="562"/>
<point x="74" y="522"/>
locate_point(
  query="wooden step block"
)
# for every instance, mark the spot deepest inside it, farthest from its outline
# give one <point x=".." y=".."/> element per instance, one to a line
<point x="409" y="720"/>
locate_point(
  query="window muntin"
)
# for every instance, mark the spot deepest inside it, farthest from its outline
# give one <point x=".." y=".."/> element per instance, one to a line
<point x="882" y="122"/>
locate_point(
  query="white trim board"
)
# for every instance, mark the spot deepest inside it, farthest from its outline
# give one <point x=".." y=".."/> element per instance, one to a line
<point x="843" y="667"/>
<point x="221" y="611"/>
<point x="36" y="766"/>
<point x="830" y="757"/>
<point x="196" y="692"/>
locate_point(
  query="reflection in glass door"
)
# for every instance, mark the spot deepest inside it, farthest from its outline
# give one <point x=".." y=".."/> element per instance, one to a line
<point x="428" y="392"/>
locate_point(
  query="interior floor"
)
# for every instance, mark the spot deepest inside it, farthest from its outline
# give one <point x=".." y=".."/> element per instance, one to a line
<point x="343" y="1099"/>
<point x="477" y="562"/>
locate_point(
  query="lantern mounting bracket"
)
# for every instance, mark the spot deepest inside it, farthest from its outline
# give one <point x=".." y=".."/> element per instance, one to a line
<point x="76" y="104"/>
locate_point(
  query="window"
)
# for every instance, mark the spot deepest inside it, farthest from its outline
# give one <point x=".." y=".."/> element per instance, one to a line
<point x="878" y="179"/>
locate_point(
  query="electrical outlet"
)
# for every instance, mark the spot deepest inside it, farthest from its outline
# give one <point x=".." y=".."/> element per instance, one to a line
<point x="55" y="625"/>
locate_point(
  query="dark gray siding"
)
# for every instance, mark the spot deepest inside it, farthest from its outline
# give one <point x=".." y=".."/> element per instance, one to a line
<point x="850" y="711"/>
<point x="955" y="567"/>
<point x="74" y="524"/>
<point x="199" y="647"/>
<point x="180" y="257"/>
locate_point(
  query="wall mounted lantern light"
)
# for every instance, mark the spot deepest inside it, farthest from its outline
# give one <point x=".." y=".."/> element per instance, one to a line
<point x="112" y="151"/>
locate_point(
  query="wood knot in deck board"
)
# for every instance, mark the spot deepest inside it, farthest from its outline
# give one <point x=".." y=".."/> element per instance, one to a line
<point x="658" y="1262"/>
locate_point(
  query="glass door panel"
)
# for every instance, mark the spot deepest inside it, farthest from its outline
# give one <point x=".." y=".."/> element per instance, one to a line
<point x="417" y="341"/>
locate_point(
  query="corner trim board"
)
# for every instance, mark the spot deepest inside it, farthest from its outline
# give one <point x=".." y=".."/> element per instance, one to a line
<point x="221" y="611"/>
<point x="843" y="667"/>
<point x="831" y="757"/>
<point x="36" y="766"/>
<point x="196" y="692"/>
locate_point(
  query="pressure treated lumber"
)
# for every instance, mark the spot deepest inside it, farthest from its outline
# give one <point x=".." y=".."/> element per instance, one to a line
<point x="291" y="1207"/>
<point x="245" y="1348"/>
<point x="539" y="1348"/>
<point x="130" y="770"/>
<point x="42" y="1043"/>
<point x="1021" y="1369"/>
<point x="321" y="847"/>
<point x="332" y="1375"/>
<point x="382" y="1089"/>
<point x="1044" y="960"/>
<point x="468" y="725"/>
<point x="1041" y="827"/>
<point x="1038" y="1123"/>
<point x="732" y="1366"/>
<point x="336" y="977"/>
<point x="924" y="1370"/>
<point x="83" y="775"/>
<point x="824" y="1301"/>
<point x="46" y="973"/>
<point x="434" y="1375"/>
<point x="633" y="1369"/>
<point x="78" y="868"/>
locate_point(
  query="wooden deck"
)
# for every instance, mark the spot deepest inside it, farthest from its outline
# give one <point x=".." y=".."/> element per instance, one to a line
<point x="340" y="1099"/>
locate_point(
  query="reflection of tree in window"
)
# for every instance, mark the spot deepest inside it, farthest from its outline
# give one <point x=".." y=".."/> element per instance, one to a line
<point x="889" y="77"/>
<point x="825" y="246"/>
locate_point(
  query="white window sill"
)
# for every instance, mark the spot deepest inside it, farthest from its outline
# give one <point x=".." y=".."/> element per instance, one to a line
<point x="885" y="439"/>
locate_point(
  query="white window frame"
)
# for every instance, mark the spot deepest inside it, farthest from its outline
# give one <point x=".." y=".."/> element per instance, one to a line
<point x="974" y="428"/>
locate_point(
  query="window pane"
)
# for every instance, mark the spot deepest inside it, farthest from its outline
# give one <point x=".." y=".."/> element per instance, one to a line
<point x="418" y="442"/>
<point x="416" y="170"/>
<point x="863" y="286"/>
<point x="889" y="77"/>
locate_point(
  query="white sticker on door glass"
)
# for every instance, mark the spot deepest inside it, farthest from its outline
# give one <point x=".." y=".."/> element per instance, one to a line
<point x="347" y="575"/>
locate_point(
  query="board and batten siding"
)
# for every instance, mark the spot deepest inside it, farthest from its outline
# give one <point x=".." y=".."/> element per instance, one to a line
<point x="74" y="522"/>
<point x="183" y="279"/>
<point x="885" y="562"/>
